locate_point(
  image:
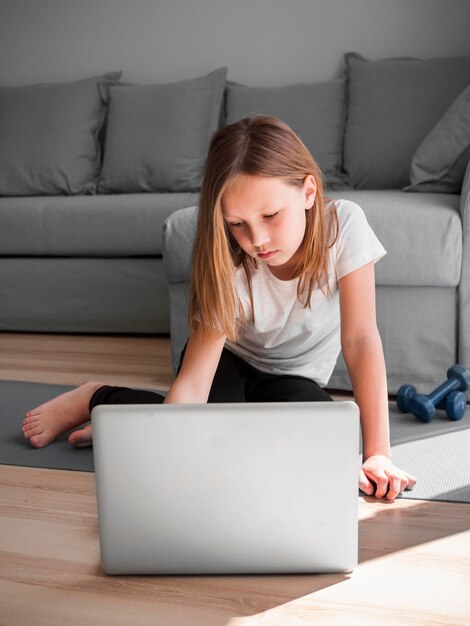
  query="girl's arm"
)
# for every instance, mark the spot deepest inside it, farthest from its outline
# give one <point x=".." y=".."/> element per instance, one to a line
<point x="363" y="354"/>
<point x="193" y="383"/>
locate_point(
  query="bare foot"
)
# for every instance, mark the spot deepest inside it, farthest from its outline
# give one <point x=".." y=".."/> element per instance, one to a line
<point x="49" y="420"/>
<point x="81" y="438"/>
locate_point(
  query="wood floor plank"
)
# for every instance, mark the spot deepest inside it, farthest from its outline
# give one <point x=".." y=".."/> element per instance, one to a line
<point x="143" y="361"/>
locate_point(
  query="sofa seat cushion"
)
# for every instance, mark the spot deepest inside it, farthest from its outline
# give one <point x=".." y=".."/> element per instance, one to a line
<point x="422" y="234"/>
<point x="87" y="226"/>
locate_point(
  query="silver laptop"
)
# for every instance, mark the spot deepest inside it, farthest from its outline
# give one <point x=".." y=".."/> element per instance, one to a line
<point x="227" y="488"/>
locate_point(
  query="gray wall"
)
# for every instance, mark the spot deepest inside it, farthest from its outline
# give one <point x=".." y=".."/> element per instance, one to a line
<point x="263" y="42"/>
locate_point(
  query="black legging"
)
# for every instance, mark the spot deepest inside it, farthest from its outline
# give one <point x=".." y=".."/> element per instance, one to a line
<point x="234" y="381"/>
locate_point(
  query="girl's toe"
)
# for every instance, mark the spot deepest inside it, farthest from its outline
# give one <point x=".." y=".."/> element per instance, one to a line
<point x="37" y="441"/>
<point x="30" y="432"/>
<point x="29" y="419"/>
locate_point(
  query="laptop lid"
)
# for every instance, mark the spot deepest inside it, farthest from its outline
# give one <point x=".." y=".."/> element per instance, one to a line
<point x="227" y="488"/>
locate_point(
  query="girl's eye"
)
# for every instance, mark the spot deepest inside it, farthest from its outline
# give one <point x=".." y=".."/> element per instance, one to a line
<point x="272" y="215"/>
<point x="236" y="224"/>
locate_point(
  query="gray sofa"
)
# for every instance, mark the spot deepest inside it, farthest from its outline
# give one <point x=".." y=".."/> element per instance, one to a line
<point x="88" y="172"/>
<point x="85" y="264"/>
<point x="423" y="283"/>
<point x="406" y="153"/>
<point x="82" y="251"/>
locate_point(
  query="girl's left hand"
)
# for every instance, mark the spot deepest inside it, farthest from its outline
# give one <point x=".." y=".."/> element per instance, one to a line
<point x="378" y="474"/>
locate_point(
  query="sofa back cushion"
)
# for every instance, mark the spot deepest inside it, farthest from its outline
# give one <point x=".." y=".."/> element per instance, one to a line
<point x="157" y="136"/>
<point x="440" y="162"/>
<point x="392" y="106"/>
<point x="49" y="137"/>
<point x="314" y="111"/>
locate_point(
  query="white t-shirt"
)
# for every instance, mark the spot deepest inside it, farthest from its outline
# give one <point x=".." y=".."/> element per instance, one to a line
<point x="287" y="338"/>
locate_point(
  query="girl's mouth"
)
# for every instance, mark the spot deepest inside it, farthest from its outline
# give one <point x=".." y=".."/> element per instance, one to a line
<point x="266" y="255"/>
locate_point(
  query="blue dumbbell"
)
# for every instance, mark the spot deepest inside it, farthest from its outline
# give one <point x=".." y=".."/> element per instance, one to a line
<point x="449" y="395"/>
<point x="404" y="395"/>
<point x="455" y="405"/>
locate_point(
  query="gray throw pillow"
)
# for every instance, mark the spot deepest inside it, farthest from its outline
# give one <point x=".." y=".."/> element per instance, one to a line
<point x="314" y="111"/>
<point x="49" y="137"/>
<point x="440" y="162"/>
<point x="392" y="106"/>
<point x="157" y="136"/>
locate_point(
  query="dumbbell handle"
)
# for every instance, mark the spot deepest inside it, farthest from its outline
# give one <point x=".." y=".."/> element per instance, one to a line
<point x="451" y="384"/>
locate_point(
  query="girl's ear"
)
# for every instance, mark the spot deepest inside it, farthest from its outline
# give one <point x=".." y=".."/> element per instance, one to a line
<point x="310" y="190"/>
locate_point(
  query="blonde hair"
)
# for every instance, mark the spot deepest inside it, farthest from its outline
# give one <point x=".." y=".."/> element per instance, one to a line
<point x="258" y="146"/>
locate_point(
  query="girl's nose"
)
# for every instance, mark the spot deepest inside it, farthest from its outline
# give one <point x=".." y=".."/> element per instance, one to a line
<point x="259" y="237"/>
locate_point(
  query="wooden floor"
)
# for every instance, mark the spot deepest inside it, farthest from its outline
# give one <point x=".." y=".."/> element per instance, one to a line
<point x="72" y="359"/>
<point x="414" y="562"/>
<point x="414" y="569"/>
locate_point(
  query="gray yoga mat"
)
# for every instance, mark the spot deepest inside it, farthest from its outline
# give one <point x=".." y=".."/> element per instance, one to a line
<point x="16" y="398"/>
<point x="438" y="453"/>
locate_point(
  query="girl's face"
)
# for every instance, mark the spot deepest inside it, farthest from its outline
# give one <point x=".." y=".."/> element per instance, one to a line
<point x="267" y="218"/>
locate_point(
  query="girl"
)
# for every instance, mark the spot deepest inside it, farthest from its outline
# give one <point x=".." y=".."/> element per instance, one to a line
<point x="282" y="279"/>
